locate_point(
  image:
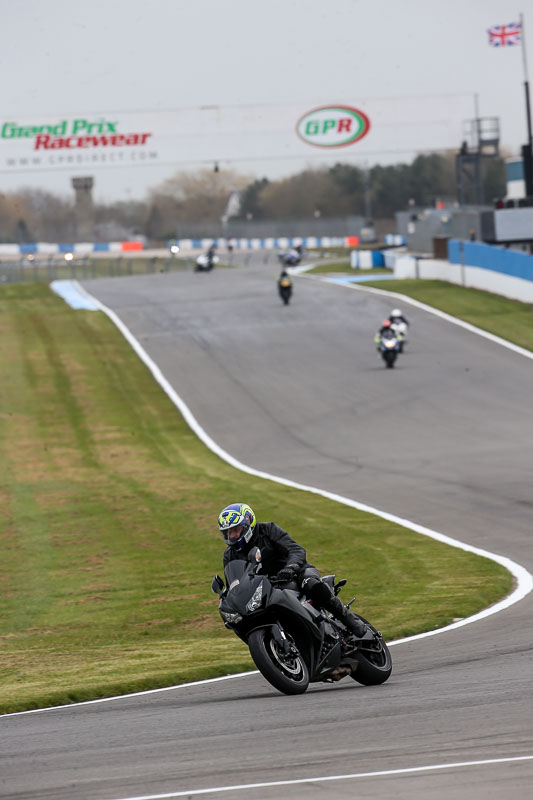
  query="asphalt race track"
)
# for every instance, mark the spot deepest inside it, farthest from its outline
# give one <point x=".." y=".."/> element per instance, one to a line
<point x="444" y="439"/>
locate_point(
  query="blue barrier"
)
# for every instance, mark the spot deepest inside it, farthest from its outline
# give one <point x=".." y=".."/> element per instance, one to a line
<point x="454" y="251"/>
<point x="366" y="259"/>
<point x="491" y="257"/>
<point x="269" y="243"/>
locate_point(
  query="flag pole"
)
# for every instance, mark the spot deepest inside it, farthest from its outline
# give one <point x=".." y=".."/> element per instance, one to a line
<point x="526" y="82"/>
<point x="527" y="149"/>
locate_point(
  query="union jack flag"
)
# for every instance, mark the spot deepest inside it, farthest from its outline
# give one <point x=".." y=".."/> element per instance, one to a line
<point x="502" y="35"/>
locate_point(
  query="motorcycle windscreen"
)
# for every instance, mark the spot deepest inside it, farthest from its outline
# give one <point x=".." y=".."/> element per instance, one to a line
<point x="242" y="584"/>
<point x="234" y="570"/>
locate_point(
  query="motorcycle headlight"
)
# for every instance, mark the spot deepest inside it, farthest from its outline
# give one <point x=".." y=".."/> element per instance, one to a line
<point x="255" y="601"/>
<point x="231" y="618"/>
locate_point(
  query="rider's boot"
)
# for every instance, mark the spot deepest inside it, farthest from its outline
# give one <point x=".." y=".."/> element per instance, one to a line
<point x="341" y="612"/>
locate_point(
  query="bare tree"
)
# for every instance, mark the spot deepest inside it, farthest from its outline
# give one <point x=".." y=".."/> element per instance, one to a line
<point x="35" y="215"/>
<point x="198" y="196"/>
<point x="311" y="192"/>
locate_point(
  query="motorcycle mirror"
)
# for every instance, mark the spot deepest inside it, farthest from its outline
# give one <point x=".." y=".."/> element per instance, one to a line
<point x="217" y="585"/>
<point x="254" y="555"/>
<point x="338" y="586"/>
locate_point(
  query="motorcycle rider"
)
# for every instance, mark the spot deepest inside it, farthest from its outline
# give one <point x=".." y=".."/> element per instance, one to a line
<point x="284" y="285"/>
<point x="282" y="559"/>
<point x="397" y="316"/>
<point x="210" y="255"/>
<point x="385" y="326"/>
<point x="284" y="278"/>
<point x="400" y="325"/>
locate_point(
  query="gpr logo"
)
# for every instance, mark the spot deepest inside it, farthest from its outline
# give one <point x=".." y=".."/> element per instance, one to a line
<point x="333" y="126"/>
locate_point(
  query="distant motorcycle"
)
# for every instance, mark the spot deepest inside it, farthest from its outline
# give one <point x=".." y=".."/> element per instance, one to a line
<point x="291" y="257"/>
<point x="285" y="288"/>
<point x="291" y="642"/>
<point x="206" y="262"/>
<point x="389" y="346"/>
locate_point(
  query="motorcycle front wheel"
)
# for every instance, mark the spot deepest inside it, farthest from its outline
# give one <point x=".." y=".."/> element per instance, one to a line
<point x="375" y="662"/>
<point x="287" y="672"/>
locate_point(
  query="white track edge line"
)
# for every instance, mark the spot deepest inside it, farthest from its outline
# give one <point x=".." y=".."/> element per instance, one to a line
<point x="323" y="779"/>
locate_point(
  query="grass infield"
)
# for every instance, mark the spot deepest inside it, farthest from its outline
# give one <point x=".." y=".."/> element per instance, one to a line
<point x="108" y="508"/>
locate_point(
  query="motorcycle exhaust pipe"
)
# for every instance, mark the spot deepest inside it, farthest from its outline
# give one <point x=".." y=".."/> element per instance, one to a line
<point x="340" y="672"/>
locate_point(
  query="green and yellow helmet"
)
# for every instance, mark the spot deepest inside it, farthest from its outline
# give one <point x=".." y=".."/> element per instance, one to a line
<point x="237" y="515"/>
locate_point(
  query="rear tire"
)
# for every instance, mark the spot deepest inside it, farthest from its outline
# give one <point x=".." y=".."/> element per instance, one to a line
<point x="287" y="672"/>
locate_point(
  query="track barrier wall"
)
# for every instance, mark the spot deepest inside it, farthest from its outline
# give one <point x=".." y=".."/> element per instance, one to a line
<point x="280" y="243"/>
<point x="475" y="265"/>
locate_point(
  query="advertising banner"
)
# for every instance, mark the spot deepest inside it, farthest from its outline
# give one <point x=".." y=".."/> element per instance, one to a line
<point x="367" y="128"/>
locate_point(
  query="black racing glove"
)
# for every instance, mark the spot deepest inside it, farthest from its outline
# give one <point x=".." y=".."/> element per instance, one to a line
<point x="286" y="574"/>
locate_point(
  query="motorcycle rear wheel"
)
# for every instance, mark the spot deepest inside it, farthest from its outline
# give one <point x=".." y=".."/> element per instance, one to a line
<point x="287" y="672"/>
<point x="375" y="662"/>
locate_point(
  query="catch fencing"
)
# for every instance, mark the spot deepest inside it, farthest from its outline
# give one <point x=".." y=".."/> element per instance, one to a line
<point x="50" y="269"/>
<point x="47" y="270"/>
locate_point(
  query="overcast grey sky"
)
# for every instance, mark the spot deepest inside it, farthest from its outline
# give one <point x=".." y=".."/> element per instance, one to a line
<point x="62" y="58"/>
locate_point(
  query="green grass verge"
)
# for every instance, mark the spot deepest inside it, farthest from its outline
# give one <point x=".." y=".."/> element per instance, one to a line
<point x="108" y="508"/>
<point x="341" y="250"/>
<point x="344" y="267"/>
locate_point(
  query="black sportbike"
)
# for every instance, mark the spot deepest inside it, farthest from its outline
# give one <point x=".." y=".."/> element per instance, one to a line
<point x="291" y="642"/>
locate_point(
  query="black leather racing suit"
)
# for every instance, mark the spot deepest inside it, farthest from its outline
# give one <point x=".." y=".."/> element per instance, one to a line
<point x="279" y="550"/>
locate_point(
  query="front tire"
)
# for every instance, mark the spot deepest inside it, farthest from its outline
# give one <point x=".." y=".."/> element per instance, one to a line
<point x="375" y="662"/>
<point x="287" y="672"/>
